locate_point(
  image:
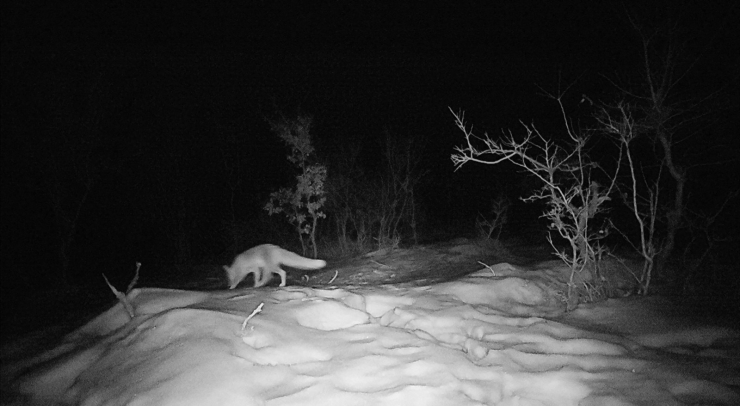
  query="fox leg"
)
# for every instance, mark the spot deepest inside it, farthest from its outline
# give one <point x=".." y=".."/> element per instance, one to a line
<point x="266" y="275"/>
<point x="261" y="277"/>
<point x="280" y="272"/>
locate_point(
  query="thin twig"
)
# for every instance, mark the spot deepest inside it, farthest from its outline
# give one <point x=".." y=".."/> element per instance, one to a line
<point x="490" y="268"/>
<point x="121" y="298"/>
<point x="254" y="312"/>
<point x="136" y="278"/>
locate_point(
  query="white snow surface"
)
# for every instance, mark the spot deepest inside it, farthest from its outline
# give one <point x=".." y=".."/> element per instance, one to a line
<point x="466" y="342"/>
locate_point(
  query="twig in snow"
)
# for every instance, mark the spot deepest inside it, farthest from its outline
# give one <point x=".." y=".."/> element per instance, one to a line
<point x="122" y="296"/>
<point x="254" y="312"/>
<point x="336" y="272"/>
<point x="490" y="268"/>
<point x="136" y="278"/>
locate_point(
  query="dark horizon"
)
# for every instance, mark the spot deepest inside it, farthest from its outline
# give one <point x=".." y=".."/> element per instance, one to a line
<point x="167" y="110"/>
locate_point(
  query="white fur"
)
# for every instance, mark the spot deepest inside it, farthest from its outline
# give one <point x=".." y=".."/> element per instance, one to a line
<point x="265" y="260"/>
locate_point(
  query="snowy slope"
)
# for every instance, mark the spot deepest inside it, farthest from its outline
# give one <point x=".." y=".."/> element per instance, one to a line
<point x="474" y="341"/>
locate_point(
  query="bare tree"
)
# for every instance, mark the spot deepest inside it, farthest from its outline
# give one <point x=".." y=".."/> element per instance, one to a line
<point x="397" y="203"/>
<point x="570" y="188"/>
<point x="640" y="194"/>
<point x="348" y="198"/>
<point x="498" y="215"/>
<point x="659" y="111"/>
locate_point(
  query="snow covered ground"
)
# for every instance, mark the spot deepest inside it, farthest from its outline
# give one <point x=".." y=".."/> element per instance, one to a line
<point x="484" y="339"/>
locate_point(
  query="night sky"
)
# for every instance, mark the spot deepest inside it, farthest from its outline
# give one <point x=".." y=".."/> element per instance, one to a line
<point x="159" y="105"/>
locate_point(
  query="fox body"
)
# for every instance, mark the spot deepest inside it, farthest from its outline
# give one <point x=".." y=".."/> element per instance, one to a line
<point x="265" y="260"/>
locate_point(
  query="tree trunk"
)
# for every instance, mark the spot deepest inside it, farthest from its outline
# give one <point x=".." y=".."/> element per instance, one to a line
<point x="676" y="212"/>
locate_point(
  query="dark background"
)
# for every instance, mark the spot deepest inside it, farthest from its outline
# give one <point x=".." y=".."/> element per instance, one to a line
<point x="159" y="104"/>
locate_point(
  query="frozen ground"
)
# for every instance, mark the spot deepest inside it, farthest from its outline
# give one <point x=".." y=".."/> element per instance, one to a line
<point x="484" y="339"/>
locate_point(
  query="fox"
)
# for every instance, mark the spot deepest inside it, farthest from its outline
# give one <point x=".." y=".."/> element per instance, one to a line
<point x="265" y="260"/>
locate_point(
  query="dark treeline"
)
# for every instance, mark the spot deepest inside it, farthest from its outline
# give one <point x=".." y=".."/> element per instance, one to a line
<point x="119" y="148"/>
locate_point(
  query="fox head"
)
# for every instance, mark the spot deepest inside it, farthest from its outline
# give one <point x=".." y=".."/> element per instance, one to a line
<point x="231" y="276"/>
